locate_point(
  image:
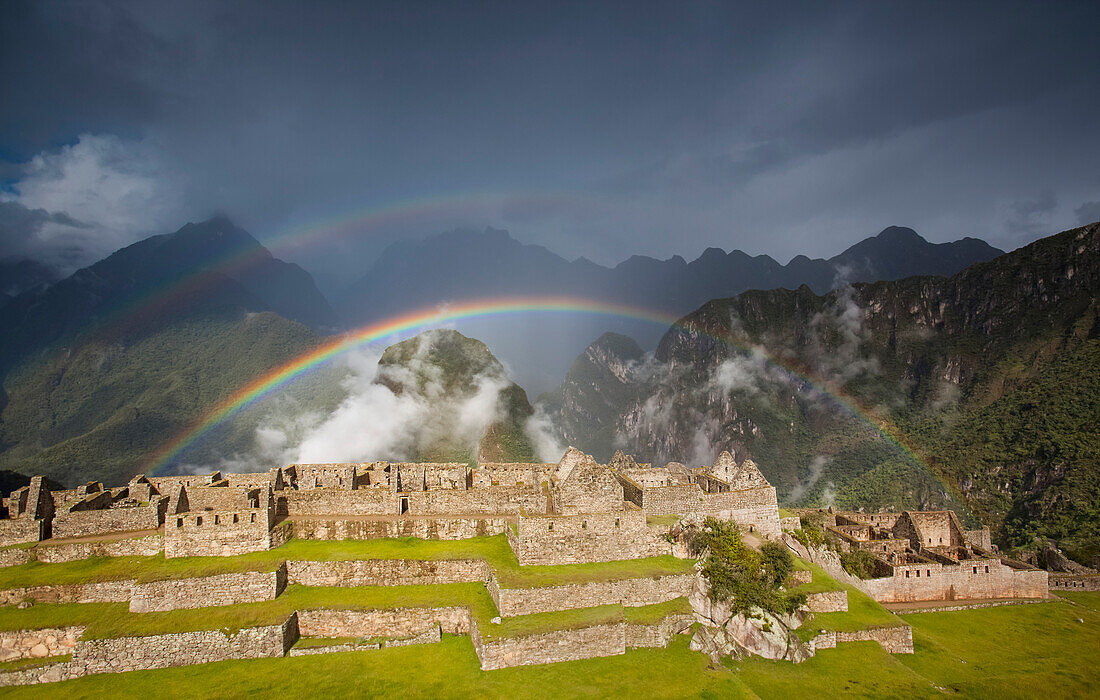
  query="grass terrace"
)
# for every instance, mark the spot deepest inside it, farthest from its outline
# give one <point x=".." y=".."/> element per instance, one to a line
<point x="821" y="581"/>
<point x="494" y="550"/>
<point x="109" y="620"/>
<point x="539" y="623"/>
<point x="1089" y="599"/>
<point x="1016" y="651"/>
<point x="662" y="520"/>
<point x="863" y="611"/>
<point x="1046" y="649"/>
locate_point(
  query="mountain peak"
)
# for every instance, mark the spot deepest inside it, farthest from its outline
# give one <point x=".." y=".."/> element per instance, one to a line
<point x="898" y="234"/>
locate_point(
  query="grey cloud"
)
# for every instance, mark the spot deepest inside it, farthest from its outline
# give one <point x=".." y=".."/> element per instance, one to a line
<point x="1087" y="213"/>
<point x="19" y="227"/>
<point x="797" y="129"/>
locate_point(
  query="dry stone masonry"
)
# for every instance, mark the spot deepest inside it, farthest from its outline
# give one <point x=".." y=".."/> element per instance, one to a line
<point x="577" y="511"/>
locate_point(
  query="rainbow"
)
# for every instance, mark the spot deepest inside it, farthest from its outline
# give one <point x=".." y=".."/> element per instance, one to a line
<point x="428" y="318"/>
<point x="365" y="220"/>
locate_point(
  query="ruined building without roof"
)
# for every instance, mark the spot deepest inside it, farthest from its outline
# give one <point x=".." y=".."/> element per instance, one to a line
<point x="571" y="512"/>
<point x="574" y="512"/>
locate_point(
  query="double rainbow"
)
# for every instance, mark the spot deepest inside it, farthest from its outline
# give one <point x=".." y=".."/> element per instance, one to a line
<point x="434" y="317"/>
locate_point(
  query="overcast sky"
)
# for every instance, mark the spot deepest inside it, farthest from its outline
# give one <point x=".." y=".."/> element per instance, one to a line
<point x="595" y="129"/>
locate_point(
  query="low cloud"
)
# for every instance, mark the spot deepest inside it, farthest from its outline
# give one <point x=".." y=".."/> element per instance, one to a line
<point x="816" y="468"/>
<point x="74" y="205"/>
<point x="376" y="422"/>
<point x="544" y="436"/>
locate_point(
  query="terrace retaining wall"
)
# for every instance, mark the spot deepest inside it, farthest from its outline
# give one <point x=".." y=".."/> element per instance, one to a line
<point x="99" y="592"/>
<point x="550" y="647"/>
<point x="420" y="528"/>
<point x="628" y="592"/>
<point x="38" y="644"/>
<point x="387" y="572"/>
<point x="208" y="591"/>
<point x="403" y="622"/>
<point x="659" y="634"/>
<point x="75" y="551"/>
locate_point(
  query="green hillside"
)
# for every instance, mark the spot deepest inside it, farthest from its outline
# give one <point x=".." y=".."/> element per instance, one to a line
<point x="100" y="411"/>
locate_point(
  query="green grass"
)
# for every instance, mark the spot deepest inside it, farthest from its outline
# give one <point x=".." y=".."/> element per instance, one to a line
<point x="854" y="670"/>
<point x="1014" y="651"/>
<point x="20" y="664"/>
<point x="652" y="614"/>
<point x="1009" y="652"/>
<point x="820" y="582"/>
<point x="784" y="513"/>
<point x="1089" y="599"/>
<point x="494" y="550"/>
<point x="863" y="611"/>
<point x="526" y="625"/>
<point x="662" y="520"/>
<point x="108" y="620"/>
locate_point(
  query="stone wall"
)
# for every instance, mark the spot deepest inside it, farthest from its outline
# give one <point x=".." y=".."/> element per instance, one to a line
<point x="551" y="647"/>
<point x="895" y="640"/>
<point x="828" y="601"/>
<point x="335" y="501"/>
<point x="99" y="592"/>
<point x="21" y="530"/>
<point x="335" y="475"/>
<point x="75" y="551"/>
<point x="85" y="523"/>
<point x="217" y="534"/>
<point x="659" y="634"/>
<point x="38" y="644"/>
<point x="590" y="488"/>
<point x="14" y="556"/>
<point x="181" y="649"/>
<point x="970" y="579"/>
<point x="387" y="572"/>
<point x="421" y="528"/>
<point x="1074" y="582"/>
<point x="221" y="498"/>
<point x="208" y="591"/>
<point x="489" y="500"/>
<point x="254" y="480"/>
<point x="631" y="592"/>
<point x="757" y="509"/>
<point x="790" y="523"/>
<point x="382" y="623"/>
<point x="574" y="539"/>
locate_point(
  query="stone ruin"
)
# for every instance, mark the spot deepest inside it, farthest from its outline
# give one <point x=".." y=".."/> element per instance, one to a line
<point x="928" y="556"/>
<point x="572" y="512"/>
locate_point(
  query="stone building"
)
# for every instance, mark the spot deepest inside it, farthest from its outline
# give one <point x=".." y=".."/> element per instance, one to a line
<point x="577" y="510"/>
<point x="928" y="556"/>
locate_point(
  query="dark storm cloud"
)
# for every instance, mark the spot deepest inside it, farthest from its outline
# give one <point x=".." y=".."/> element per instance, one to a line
<point x="19" y="227"/>
<point x="595" y="129"/>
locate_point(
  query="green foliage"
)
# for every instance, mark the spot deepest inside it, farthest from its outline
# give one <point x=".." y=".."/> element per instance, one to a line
<point x="739" y="574"/>
<point x="859" y="563"/>
<point x="100" y="411"/>
<point x="811" y="534"/>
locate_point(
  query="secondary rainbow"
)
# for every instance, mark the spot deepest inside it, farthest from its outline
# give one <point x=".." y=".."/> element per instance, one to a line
<point x="426" y="318"/>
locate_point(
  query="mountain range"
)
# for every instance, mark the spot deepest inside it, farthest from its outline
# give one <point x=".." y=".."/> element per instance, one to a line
<point x="467" y="265"/>
<point x="976" y="392"/>
<point x="969" y="386"/>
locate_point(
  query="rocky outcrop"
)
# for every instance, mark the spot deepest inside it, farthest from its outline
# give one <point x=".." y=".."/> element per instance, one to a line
<point x="723" y="634"/>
